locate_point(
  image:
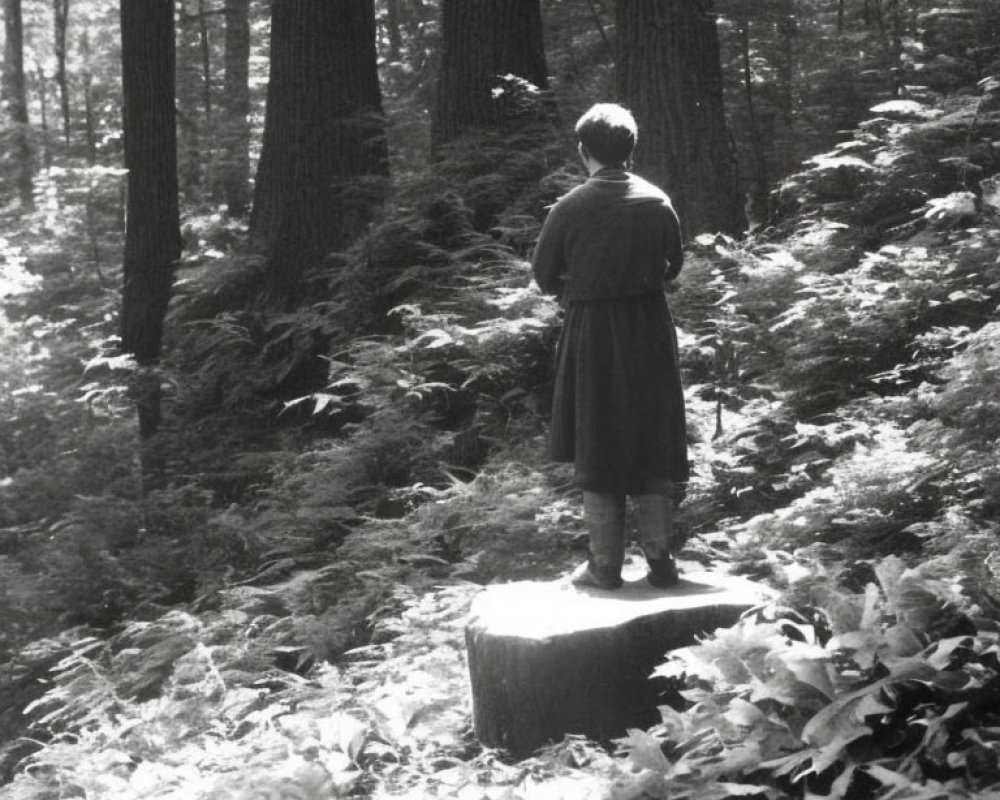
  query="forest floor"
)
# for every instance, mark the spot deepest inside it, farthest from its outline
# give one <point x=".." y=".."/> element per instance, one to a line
<point x="283" y="616"/>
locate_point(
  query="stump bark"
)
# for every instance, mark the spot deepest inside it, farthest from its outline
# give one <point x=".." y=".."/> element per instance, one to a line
<point x="548" y="659"/>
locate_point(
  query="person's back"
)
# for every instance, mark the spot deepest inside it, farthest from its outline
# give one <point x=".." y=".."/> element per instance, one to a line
<point x="612" y="220"/>
<point x="618" y="413"/>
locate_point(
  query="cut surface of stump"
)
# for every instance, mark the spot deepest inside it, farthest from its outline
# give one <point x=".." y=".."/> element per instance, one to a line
<point x="550" y="659"/>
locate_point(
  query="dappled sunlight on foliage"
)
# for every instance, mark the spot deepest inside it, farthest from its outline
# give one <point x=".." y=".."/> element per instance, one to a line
<point x="839" y="688"/>
<point x="268" y="598"/>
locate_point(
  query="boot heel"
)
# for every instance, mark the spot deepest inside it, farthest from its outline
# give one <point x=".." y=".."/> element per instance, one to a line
<point x="662" y="573"/>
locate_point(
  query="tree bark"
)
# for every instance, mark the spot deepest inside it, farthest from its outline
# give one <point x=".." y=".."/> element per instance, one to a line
<point x="89" y="123"/>
<point x="43" y="110"/>
<point x="600" y="29"/>
<point x="759" y="185"/>
<point x="152" y="235"/>
<point x="15" y="96"/>
<point x="484" y="41"/>
<point x="235" y="127"/>
<point x="392" y="30"/>
<point x="324" y="156"/>
<point x="60" y="9"/>
<point x="670" y="76"/>
<point x="546" y="660"/>
<point x="786" y="32"/>
<point x="205" y="46"/>
<point x="191" y="160"/>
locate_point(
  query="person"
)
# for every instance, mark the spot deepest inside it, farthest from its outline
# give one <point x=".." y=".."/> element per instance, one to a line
<point x="606" y="251"/>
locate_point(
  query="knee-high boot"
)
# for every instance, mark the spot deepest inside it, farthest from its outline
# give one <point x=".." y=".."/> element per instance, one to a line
<point x="604" y="515"/>
<point x="656" y="532"/>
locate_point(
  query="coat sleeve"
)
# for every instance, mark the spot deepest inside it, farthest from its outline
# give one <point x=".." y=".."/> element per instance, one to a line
<point x="549" y="260"/>
<point x="675" y="247"/>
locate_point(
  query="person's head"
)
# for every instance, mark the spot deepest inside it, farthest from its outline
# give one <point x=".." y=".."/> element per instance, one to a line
<point x="607" y="133"/>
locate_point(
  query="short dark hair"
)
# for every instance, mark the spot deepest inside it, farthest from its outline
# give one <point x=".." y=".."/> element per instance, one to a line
<point x="608" y="132"/>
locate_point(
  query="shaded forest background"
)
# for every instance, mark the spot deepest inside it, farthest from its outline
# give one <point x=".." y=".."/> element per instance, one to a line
<point x="237" y="562"/>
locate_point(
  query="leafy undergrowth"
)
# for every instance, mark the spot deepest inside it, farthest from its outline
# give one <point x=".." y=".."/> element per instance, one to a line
<point x="890" y="692"/>
<point x="279" y="612"/>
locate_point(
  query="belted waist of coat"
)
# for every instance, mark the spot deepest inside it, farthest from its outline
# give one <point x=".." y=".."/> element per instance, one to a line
<point x="604" y="298"/>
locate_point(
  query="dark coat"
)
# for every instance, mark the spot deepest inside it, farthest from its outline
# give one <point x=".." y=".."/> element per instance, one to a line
<point x="618" y="410"/>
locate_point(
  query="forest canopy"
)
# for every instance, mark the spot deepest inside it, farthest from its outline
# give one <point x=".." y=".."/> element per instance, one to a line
<point x="274" y="388"/>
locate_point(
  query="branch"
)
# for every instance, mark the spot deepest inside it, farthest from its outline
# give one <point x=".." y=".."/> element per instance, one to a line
<point x="600" y="27"/>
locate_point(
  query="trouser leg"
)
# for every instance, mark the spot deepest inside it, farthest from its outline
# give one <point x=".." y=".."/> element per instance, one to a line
<point x="605" y="518"/>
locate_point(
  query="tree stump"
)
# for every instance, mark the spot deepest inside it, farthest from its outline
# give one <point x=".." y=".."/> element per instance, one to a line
<point x="548" y="659"/>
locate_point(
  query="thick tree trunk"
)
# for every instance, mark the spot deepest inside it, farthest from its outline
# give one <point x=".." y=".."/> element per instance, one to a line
<point x="235" y="127"/>
<point x="15" y="96"/>
<point x="546" y="660"/>
<point x="484" y="41"/>
<point x="669" y="75"/>
<point x="60" y="9"/>
<point x="324" y="154"/>
<point x="152" y="235"/>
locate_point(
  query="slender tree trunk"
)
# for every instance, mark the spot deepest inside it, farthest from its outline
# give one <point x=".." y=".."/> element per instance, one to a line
<point x="324" y="154"/>
<point x="89" y="125"/>
<point x="758" y="192"/>
<point x="484" y="41"/>
<point x="669" y="74"/>
<point x="15" y="96"/>
<point x="60" y="10"/>
<point x="205" y="42"/>
<point x="787" y="30"/>
<point x="392" y="31"/>
<point x="601" y="29"/>
<point x="235" y="129"/>
<point x="90" y="135"/>
<point x="152" y="235"/>
<point x="897" y="25"/>
<point x="43" y="107"/>
<point x="189" y="101"/>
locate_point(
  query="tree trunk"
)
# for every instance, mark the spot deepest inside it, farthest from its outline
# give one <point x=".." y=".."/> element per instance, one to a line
<point x="669" y="75"/>
<point x="43" y="109"/>
<point x="484" y="41"/>
<point x="759" y="184"/>
<point x="324" y="154"/>
<point x="189" y="100"/>
<point x="392" y="31"/>
<point x="89" y="123"/>
<point x="787" y="32"/>
<point x="595" y="15"/>
<point x="15" y="96"/>
<point x="152" y="235"/>
<point x="235" y="127"/>
<point x="205" y="46"/>
<point x="546" y="660"/>
<point x="60" y="10"/>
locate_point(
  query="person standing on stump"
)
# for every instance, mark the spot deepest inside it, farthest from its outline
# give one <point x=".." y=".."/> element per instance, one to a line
<point x="606" y="251"/>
